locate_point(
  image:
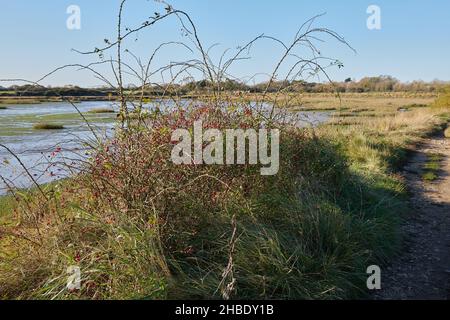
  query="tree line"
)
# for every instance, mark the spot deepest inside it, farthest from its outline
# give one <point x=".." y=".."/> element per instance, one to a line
<point x="367" y="84"/>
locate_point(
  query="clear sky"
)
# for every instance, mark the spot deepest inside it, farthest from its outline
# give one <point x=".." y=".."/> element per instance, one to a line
<point x="413" y="43"/>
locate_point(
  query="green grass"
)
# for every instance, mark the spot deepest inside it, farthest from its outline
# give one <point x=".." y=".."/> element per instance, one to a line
<point x="443" y="101"/>
<point x="431" y="167"/>
<point x="64" y="117"/>
<point x="19" y="101"/>
<point x="12" y="131"/>
<point x="8" y="93"/>
<point x="102" y="110"/>
<point x="6" y="205"/>
<point x="435" y="157"/>
<point x="75" y="118"/>
<point x="48" y="126"/>
<point x="19" y="125"/>
<point x="429" y="176"/>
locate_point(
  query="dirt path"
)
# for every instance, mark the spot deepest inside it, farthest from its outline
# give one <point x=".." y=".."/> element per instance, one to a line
<point x="422" y="271"/>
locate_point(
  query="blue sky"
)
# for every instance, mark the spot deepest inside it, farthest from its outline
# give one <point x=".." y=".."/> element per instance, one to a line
<point x="413" y="43"/>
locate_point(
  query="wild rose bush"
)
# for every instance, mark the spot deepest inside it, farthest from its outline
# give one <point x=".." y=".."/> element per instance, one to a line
<point x="139" y="226"/>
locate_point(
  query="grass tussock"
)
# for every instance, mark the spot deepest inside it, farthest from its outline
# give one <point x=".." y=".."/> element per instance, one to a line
<point x="102" y="110"/>
<point x="431" y="167"/>
<point x="429" y="176"/>
<point x="48" y="126"/>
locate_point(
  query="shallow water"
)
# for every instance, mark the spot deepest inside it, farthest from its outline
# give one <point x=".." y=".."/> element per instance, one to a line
<point x="43" y="152"/>
<point x="50" y="155"/>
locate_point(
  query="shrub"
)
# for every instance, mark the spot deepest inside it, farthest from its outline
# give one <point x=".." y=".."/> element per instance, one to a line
<point x="141" y="227"/>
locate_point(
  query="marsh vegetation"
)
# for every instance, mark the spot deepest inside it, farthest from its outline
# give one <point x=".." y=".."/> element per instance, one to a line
<point x="345" y="171"/>
<point x="141" y="227"/>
